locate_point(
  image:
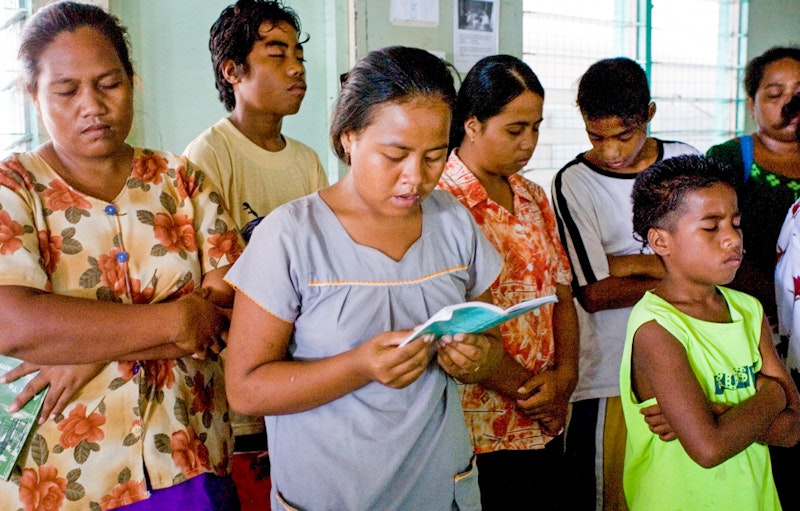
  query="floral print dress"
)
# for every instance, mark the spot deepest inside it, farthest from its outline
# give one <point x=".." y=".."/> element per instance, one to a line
<point x="534" y="264"/>
<point x="167" y="419"/>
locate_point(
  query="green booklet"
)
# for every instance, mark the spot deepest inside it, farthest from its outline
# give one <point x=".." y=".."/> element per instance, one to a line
<point x="15" y="427"/>
<point x="474" y="317"/>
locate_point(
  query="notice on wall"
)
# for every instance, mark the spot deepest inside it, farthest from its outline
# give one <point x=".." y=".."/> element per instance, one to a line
<point x="475" y="31"/>
<point x="415" y="13"/>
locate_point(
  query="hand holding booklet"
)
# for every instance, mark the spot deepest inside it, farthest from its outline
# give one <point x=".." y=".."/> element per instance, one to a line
<point x="15" y="428"/>
<point x="474" y="317"/>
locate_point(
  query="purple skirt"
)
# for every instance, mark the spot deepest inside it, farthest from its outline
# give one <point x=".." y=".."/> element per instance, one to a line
<point x="206" y="492"/>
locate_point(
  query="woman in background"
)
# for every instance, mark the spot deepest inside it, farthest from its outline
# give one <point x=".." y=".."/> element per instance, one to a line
<point x="517" y="427"/>
<point x="768" y="165"/>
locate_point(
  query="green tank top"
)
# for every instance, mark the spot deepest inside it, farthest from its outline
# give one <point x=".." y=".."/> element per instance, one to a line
<point x="724" y="357"/>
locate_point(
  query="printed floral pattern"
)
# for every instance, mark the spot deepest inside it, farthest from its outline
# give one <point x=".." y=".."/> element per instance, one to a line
<point x="534" y="263"/>
<point x="787" y="290"/>
<point x="153" y="244"/>
<point x="42" y="489"/>
<point x="175" y="232"/>
<point x="10" y="234"/>
<point x="124" y="494"/>
<point x="78" y="427"/>
<point x="189" y="453"/>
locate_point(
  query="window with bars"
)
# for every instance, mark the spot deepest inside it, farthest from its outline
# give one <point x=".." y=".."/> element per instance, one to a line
<point x="693" y="51"/>
<point x="16" y="117"/>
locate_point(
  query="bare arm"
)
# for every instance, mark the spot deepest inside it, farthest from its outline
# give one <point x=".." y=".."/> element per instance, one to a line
<point x="630" y="276"/>
<point x="261" y="381"/>
<point x="614" y="293"/>
<point x="636" y="265"/>
<point x="660" y="368"/>
<point x="47" y="329"/>
<point x="785" y="429"/>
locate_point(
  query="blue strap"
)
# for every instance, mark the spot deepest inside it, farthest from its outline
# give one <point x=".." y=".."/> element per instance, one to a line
<point x="746" y="141"/>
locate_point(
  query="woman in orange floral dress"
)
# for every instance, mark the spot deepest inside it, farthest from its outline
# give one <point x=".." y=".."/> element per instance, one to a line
<point x="111" y="285"/>
<point x="516" y="428"/>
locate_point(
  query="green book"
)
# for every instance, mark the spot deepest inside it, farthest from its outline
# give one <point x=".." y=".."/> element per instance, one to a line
<point x="474" y="317"/>
<point x="15" y="428"/>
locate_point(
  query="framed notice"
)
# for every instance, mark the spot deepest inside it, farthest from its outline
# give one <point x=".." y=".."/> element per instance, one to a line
<point x="476" y="33"/>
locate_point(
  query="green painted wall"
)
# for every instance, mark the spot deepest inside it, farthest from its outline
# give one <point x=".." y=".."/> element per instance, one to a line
<point x="176" y="98"/>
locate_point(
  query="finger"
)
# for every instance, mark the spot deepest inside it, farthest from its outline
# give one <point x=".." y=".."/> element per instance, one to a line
<point x="18" y="372"/>
<point x="533" y="404"/>
<point x="413" y="364"/>
<point x="57" y="408"/>
<point x="651" y="411"/>
<point x="462" y="355"/>
<point x="655" y="420"/>
<point x="217" y="345"/>
<point x="30" y="390"/>
<point x="415" y="346"/>
<point x="404" y="379"/>
<point x="447" y="364"/>
<point x="50" y="402"/>
<point x="532" y="384"/>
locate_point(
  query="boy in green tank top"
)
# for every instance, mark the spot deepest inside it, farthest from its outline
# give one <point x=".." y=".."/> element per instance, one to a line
<point x="701" y="353"/>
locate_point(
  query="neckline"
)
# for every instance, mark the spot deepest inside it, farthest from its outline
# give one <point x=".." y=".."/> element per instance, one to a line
<point x="332" y="218"/>
<point x="735" y="317"/>
<point x="54" y="174"/>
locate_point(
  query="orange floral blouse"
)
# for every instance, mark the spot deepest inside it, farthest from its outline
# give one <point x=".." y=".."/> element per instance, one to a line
<point x="164" y="230"/>
<point x="534" y="263"/>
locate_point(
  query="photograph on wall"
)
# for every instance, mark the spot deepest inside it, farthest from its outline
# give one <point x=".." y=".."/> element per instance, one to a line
<point x="475" y="15"/>
<point x="476" y="32"/>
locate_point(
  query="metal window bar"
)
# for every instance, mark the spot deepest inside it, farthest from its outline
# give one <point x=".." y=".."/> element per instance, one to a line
<point x="698" y="90"/>
<point x="17" y="117"/>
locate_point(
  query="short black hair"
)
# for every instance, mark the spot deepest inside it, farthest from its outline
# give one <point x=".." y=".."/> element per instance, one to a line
<point x="491" y="84"/>
<point x="754" y="72"/>
<point x="48" y="22"/>
<point x="392" y="74"/>
<point x="660" y="189"/>
<point x="615" y="87"/>
<point x="235" y="33"/>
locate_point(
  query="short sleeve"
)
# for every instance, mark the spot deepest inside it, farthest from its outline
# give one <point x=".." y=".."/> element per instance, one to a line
<point x="787" y="271"/>
<point x="219" y="239"/>
<point x="21" y="258"/>
<point x="581" y="232"/>
<point x="485" y="263"/>
<point x="322" y="177"/>
<point x="559" y="264"/>
<point x="267" y="269"/>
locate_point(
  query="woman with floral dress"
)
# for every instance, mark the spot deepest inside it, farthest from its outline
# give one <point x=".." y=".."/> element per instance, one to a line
<point x="516" y="431"/>
<point x="112" y="261"/>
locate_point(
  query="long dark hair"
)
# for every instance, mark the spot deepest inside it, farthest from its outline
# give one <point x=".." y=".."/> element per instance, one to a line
<point x="491" y="84"/>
